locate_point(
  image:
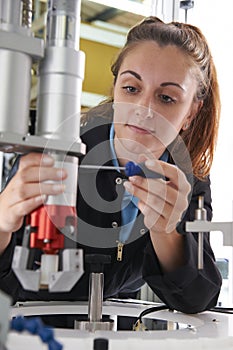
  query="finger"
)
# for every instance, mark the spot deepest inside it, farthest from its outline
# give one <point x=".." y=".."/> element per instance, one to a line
<point x="146" y="198"/>
<point x="36" y="174"/>
<point x="152" y="219"/>
<point x="166" y="202"/>
<point x="13" y="215"/>
<point x="37" y="159"/>
<point x="35" y="190"/>
<point x="170" y="171"/>
<point x="160" y="222"/>
<point x="158" y="208"/>
<point x="24" y="208"/>
<point x="157" y="187"/>
<point x="142" y="158"/>
<point x="14" y="193"/>
<point x="156" y="193"/>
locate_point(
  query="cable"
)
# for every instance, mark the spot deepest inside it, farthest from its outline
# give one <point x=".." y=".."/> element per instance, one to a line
<point x="138" y="325"/>
<point x="223" y="310"/>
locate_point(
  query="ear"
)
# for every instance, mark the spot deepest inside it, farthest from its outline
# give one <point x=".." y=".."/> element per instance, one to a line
<point x="196" y="107"/>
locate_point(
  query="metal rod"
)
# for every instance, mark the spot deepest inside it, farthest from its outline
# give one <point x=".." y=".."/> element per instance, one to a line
<point x="200" y="214"/>
<point x="27" y="13"/>
<point x="102" y="167"/>
<point x="96" y="285"/>
<point x="200" y="250"/>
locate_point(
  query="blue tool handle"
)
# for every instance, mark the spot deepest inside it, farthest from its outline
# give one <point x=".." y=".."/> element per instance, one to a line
<point x="132" y="169"/>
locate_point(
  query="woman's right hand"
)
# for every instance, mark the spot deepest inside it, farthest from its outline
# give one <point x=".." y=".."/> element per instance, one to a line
<point x="27" y="190"/>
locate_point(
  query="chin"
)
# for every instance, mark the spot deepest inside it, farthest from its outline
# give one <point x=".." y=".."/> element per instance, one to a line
<point x="134" y="146"/>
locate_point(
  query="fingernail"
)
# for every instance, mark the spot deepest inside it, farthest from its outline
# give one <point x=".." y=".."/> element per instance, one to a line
<point x="59" y="187"/>
<point x="150" y="162"/>
<point x="41" y="198"/>
<point x="128" y="186"/>
<point x="133" y="179"/>
<point x="61" y="173"/>
<point x="142" y="158"/>
<point x="47" y="160"/>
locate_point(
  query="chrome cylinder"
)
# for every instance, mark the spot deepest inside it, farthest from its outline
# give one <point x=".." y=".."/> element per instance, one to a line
<point x="200" y="214"/>
<point x="10" y="12"/>
<point x="17" y="47"/>
<point x="59" y="98"/>
<point x="15" y="68"/>
<point x="95" y="296"/>
<point x="63" y="23"/>
<point x="61" y="74"/>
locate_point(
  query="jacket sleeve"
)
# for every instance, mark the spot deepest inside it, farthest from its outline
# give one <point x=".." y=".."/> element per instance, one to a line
<point x="8" y="281"/>
<point x="187" y="289"/>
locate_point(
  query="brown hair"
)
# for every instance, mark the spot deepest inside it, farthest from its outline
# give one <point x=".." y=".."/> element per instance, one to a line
<point x="201" y="136"/>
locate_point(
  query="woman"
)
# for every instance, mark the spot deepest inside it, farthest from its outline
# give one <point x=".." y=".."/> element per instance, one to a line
<point x="165" y="113"/>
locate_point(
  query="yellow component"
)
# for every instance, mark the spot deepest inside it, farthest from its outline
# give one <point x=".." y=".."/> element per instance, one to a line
<point x="139" y="326"/>
<point x="99" y="58"/>
<point x="119" y="251"/>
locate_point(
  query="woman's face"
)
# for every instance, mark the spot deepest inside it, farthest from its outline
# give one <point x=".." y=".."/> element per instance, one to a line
<point x="153" y="99"/>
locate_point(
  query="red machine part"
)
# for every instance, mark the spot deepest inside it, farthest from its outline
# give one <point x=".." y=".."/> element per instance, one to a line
<point x="46" y="223"/>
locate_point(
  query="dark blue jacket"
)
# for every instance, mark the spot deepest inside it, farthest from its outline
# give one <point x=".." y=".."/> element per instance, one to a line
<point x="186" y="289"/>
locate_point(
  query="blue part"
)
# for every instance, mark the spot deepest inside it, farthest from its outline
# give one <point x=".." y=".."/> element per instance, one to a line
<point x="18" y="324"/>
<point x="45" y="334"/>
<point x="132" y="169"/>
<point x="35" y="326"/>
<point x="32" y="325"/>
<point x="54" y="345"/>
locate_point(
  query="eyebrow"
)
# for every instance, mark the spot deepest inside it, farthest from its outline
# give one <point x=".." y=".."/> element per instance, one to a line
<point x="172" y="83"/>
<point x="138" y="76"/>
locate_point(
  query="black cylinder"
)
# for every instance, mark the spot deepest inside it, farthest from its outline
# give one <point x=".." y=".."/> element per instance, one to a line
<point x="100" y="344"/>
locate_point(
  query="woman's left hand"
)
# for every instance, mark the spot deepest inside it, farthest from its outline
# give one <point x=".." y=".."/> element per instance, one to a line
<point x="162" y="204"/>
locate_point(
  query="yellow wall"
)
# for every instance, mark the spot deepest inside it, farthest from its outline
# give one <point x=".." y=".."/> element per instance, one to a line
<point x="99" y="57"/>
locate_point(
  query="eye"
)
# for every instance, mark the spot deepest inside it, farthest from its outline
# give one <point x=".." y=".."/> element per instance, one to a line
<point x="130" y="89"/>
<point x="166" y="99"/>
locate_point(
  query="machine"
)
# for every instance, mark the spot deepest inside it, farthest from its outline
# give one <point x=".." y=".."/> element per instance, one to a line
<point x="61" y="71"/>
<point x="4" y="317"/>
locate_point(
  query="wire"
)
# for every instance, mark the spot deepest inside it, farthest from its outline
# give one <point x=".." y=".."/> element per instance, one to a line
<point x="223" y="310"/>
<point x="152" y="309"/>
<point x="138" y="325"/>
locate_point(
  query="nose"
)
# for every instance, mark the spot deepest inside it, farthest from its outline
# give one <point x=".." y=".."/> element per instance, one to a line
<point x="144" y="111"/>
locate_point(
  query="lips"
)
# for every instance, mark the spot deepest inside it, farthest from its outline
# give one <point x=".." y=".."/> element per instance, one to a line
<point x="139" y="130"/>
